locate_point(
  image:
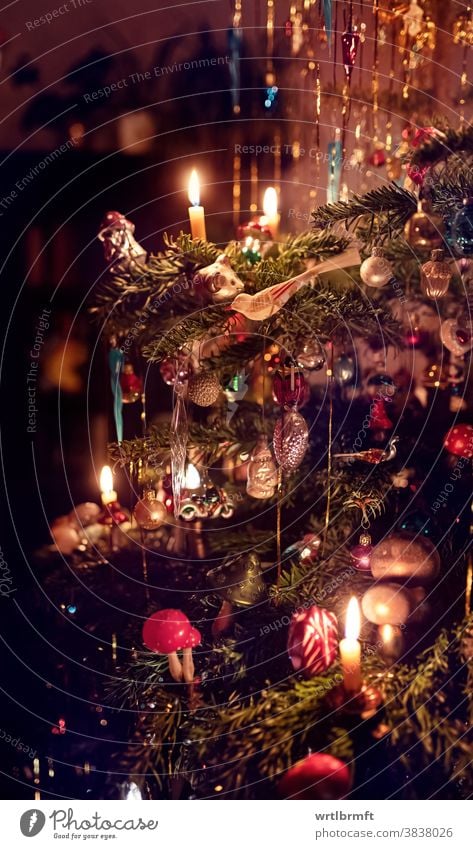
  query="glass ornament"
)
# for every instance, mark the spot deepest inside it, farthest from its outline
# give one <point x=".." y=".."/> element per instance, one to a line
<point x="218" y="280"/>
<point x="309" y="548"/>
<point x="289" y="386"/>
<point x="305" y="550"/>
<point x="237" y="387"/>
<point x="312" y="642"/>
<point x="361" y="553"/>
<point x="344" y="369"/>
<point x="456" y="338"/>
<point x="317" y="776"/>
<point x="406" y="557"/>
<point x="310" y="354"/>
<point x="175" y="370"/>
<point x="424" y="230"/>
<point x="350" y="43"/>
<point x="436" y="275"/>
<point x="462" y="229"/>
<point x="379" y="419"/>
<point x="131" y="384"/>
<point x="239" y="580"/>
<point x="376" y="271"/>
<point x="149" y="512"/>
<point x="113" y="514"/>
<point x="84" y="514"/>
<point x="262" y="471"/>
<point x="383" y="383"/>
<point x="291" y="437"/>
<point x="207" y="501"/>
<point x="203" y="389"/>
<point x="254" y="230"/>
<point x="65" y="537"/>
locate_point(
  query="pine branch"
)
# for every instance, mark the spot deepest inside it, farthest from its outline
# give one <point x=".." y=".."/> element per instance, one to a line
<point x="435" y="148"/>
<point x="391" y="205"/>
<point x="210" y="441"/>
<point x="190" y="329"/>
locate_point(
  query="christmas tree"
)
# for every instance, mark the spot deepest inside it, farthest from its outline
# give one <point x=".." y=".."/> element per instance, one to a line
<point x="298" y="488"/>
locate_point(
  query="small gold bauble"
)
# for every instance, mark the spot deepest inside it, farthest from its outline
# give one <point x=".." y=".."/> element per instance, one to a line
<point x="204" y="389"/>
<point x="149" y="512"/>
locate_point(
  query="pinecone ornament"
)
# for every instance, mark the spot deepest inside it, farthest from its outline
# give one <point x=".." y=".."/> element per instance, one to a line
<point x="291" y="437"/>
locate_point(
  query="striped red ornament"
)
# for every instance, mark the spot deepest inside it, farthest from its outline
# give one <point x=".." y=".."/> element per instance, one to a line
<point x="312" y="642"/>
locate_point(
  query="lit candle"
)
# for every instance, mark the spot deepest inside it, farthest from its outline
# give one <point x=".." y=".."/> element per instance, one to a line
<point x="350" y="649"/>
<point x="106" y="485"/>
<point x="270" y="209"/>
<point x="196" y="212"/>
<point x="192" y="480"/>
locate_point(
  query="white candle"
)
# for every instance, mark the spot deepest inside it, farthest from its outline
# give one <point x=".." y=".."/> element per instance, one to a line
<point x="108" y="494"/>
<point x="350" y="649"/>
<point x="196" y="212"/>
<point x="270" y="209"/>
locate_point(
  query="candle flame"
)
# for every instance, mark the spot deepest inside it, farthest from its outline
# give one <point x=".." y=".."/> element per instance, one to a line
<point x="106" y="479"/>
<point x="270" y="202"/>
<point x="353" y="621"/>
<point x="194" y="189"/>
<point x="192" y="477"/>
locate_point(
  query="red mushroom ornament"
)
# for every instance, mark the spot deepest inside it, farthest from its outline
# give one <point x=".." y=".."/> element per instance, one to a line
<point x="318" y="776"/>
<point x="459" y="441"/>
<point x="167" y="632"/>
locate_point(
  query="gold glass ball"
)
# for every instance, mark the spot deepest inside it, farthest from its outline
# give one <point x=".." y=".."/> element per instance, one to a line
<point x="204" y="389"/>
<point x="149" y="513"/>
<point x="424" y="230"/>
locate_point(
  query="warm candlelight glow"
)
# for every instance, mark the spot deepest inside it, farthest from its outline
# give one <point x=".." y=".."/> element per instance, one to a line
<point x="106" y="485"/>
<point x="386" y="634"/>
<point x="196" y="212"/>
<point x="353" y="620"/>
<point x="350" y="649"/>
<point x="106" y="479"/>
<point x="270" y="209"/>
<point x="192" y="477"/>
<point x="194" y="189"/>
<point x="270" y="202"/>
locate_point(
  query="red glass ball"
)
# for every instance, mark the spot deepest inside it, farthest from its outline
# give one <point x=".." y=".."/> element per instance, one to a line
<point x="459" y="441"/>
<point x="113" y="514"/>
<point x="318" y="776"/>
<point x="361" y="555"/>
<point x="417" y="173"/>
<point x="255" y="229"/>
<point x="378" y="158"/>
<point x="131" y="384"/>
<point x="379" y="419"/>
<point x="289" y="387"/>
